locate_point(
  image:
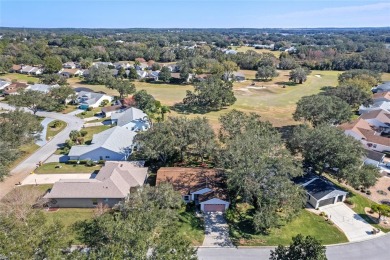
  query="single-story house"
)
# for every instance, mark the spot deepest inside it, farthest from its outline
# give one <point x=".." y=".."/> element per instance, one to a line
<point x="153" y="75"/>
<point x="132" y="118"/>
<point x="320" y="192"/>
<point x="381" y="96"/>
<point x="141" y="60"/>
<point x="108" y="111"/>
<point x="30" y="70"/>
<point x="91" y="99"/>
<point x="4" y="84"/>
<point x="111" y="185"/>
<point x="380" y="105"/>
<point x="382" y="88"/>
<point x="374" y="158"/>
<point x="141" y="74"/>
<point x="69" y="65"/>
<point x="68" y="73"/>
<point x="103" y="63"/>
<point x="14" y="88"/>
<point x="114" y="144"/>
<point x="122" y="64"/>
<point x="173" y="67"/>
<point x="42" y="87"/>
<point x="205" y="187"/>
<point x="141" y="66"/>
<point x="16" y="68"/>
<point x="380" y="119"/>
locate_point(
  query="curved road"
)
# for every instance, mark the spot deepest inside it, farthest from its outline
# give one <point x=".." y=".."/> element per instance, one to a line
<point x="373" y="249"/>
<point x="28" y="165"/>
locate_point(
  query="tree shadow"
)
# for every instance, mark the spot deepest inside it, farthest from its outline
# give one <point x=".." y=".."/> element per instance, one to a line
<point x="181" y="108"/>
<point x="286" y="131"/>
<point x="286" y="83"/>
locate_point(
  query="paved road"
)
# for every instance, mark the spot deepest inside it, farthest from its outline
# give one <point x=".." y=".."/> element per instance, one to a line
<point x="374" y="249"/>
<point x="42" y="136"/>
<point x="24" y="168"/>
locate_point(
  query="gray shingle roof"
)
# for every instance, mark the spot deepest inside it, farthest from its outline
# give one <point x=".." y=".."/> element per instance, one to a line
<point x="42" y="87"/>
<point x="114" y="180"/>
<point x="319" y="188"/>
<point x="116" y="139"/>
<point x="129" y="115"/>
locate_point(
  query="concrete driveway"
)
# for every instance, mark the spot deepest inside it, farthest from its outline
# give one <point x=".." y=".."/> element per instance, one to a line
<point x="216" y="230"/>
<point x="52" y="178"/>
<point x="354" y="226"/>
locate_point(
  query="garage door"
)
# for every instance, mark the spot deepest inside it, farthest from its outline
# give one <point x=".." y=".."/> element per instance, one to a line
<point x="214" y="207"/>
<point x="326" y="202"/>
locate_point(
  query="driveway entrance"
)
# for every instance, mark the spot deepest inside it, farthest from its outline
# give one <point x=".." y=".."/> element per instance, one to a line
<point x="354" y="226"/>
<point x="216" y="230"/>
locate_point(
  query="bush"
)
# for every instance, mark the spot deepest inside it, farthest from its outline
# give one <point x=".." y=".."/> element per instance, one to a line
<point x="90" y="163"/>
<point x="348" y="201"/>
<point x="368" y="192"/>
<point x="101" y="161"/>
<point x="83" y="113"/>
<point x="83" y="132"/>
<point x="65" y="150"/>
<point x="57" y="124"/>
<point x="89" y="109"/>
<point x="104" y="103"/>
<point x="83" y="161"/>
<point x="30" y="82"/>
<point x="72" y="162"/>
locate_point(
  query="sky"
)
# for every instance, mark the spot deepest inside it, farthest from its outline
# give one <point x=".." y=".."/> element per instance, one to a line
<point x="194" y="14"/>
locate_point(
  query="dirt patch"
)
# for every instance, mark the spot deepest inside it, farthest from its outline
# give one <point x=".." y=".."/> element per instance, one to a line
<point x="383" y="184"/>
<point x="318" y="76"/>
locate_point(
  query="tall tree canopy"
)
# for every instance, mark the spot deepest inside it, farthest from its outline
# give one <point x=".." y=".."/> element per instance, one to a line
<point x="259" y="169"/>
<point x="318" y="109"/>
<point x="142" y="227"/>
<point x="302" y="248"/>
<point x="211" y="94"/>
<point x="299" y="75"/>
<point x="266" y="73"/>
<point x="99" y="75"/>
<point x="32" y="99"/>
<point x="353" y="95"/>
<point x="165" y="74"/>
<point x="326" y="147"/>
<point x="124" y="87"/>
<point x="52" y="64"/>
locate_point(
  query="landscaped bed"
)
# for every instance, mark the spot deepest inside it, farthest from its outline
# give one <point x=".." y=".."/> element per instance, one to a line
<point x="306" y="223"/>
<point x="54" y="128"/>
<point x="50" y="168"/>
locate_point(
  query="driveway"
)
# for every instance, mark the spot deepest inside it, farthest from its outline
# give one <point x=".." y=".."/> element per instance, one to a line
<point x="216" y="231"/>
<point x="52" y="178"/>
<point x="354" y="226"/>
<point x="21" y="171"/>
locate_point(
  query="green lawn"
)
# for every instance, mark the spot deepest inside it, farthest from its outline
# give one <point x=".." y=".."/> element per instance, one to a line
<point x="49" y="168"/>
<point x="67" y="217"/>
<point x="52" y="131"/>
<point x="41" y="188"/>
<point x="94" y="130"/>
<point x="247" y="48"/>
<point x="19" y="77"/>
<point x="307" y="224"/>
<point x="191" y="227"/>
<point x="91" y="113"/>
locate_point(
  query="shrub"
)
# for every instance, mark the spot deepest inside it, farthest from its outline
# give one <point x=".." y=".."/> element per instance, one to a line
<point x="65" y="150"/>
<point x="83" y="113"/>
<point x="71" y="162"/>
<point x="57" y="124"/>
<point x="89" y="109"/>
<point x="83" y="161"/>
<point x="368" y="192"/>
<point x="348" y="201"/>
<point x="101" y="161"/>
<point x="30" y="82"/>
<point x="83" y="132"/>
<point x="90" y="163"/>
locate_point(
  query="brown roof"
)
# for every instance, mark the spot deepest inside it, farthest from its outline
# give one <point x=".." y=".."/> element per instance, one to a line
<point x="70" y="71"/>
<point x="379" y="114"/>
<point x="355" y="126"/>
<point x="129" y="101"/>
<point x="111" y="108"/>
<point x="379" y="95"/>
<point x="16" y="67"/>
<point x="374" y="137"/>
<point x="151" y="62"/>
<point x="140" y="59"/>
<point x="202" y="76"/>
<point x="14" y="87"/>
<point x="189" y="180"/>
<point x="175" y="75"/>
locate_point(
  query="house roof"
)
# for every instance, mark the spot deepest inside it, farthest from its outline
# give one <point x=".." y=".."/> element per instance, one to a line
<point x="380" y="114"/>
<point x="114" y="180"/>
<point x="16" y="67"/>
<point x="14" y="87"/>
<point x="140" y="59"/>
<point x="374" y="155"/>
<point x="189" y="180"/>
<point x="116" y="139"/>
<point x="89" y="97"/>
<point x="41" y="87"/>
<point x="129" y="115"/>
<point x="380" y="95"/>
<point x="4" y="84"/>
<point x="373" y="137"/>
<point x="356" y="126"/>
<point x="319" y="188"/>
<point x="70" y="71"/>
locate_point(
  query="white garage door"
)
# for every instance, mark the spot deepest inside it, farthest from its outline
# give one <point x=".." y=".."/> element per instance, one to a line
<point x="214" y="207"/>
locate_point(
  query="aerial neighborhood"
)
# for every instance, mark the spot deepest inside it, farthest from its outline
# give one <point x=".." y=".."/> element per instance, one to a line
<point x="170" y="143"/>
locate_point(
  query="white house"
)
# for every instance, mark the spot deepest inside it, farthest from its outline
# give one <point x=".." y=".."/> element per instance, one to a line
<point x="114" y="144"/>
<point x="4" y="84"/>
<point x="30" y="70"/>
<point x="70" y="72"/>
<point x="376" y="106"/>
<point x="204" y="187"/>
<point x="154" y="75"/>
<point x="380" y="119"/>
<point x="91" y="99"/>
<point x="132" y="118"/>
<point x="374" y="158"/>
<point x="69" y="65"/>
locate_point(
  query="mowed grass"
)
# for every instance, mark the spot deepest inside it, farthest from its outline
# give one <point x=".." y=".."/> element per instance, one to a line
<point x="19" y="77"/>
<point x="306" y="223"/>
<point x="53" y="131"/>
<point x="67" y="217"/>
<point x="50" y="168"/>
<point x="93" y="130"/>
<point x="191" y="227"/>
<point x="25" y="151"/>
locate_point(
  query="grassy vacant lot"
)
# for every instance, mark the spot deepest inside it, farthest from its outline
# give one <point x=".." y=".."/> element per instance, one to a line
<point x="306" y="224"/>
<point x="49" y="168"/>
<point x="247" y="48"/>
<point x="52" y="130"/>
<point x="91" y="113"/>
<point x="191" y="227"/>
<point x="19" y="77"/>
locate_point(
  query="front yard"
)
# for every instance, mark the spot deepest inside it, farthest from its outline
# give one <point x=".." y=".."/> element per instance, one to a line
<point x="191" y="227"/>
<point x="52" y="168"/>
<point x="54" y="128"/>
<point x="306" y="223"/>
